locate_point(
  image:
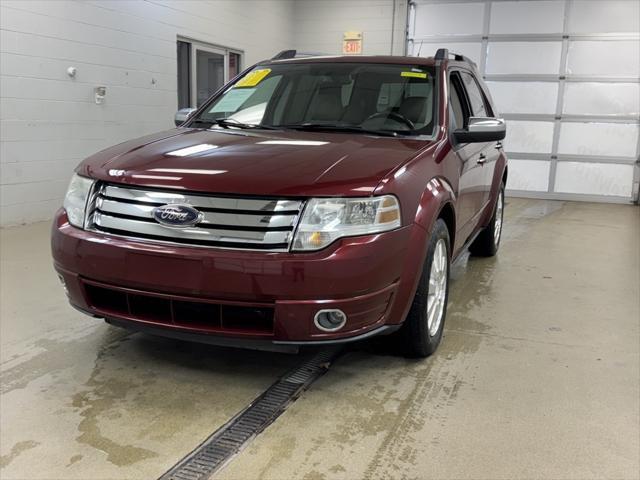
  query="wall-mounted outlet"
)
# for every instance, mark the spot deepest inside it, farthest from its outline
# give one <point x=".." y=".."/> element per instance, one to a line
<point x="99" y="94"/>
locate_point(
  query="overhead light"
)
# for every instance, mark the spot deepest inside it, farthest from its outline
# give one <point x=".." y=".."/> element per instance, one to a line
<point x="310" y="143"/>
<point x="155" y="177"/>
<point x="196" y="171"/>
<point x="183" y="152"/>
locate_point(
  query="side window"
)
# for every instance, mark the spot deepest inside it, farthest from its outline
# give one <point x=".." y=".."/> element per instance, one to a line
<point x="476" y="98"/>
<point x="457" y="102"/>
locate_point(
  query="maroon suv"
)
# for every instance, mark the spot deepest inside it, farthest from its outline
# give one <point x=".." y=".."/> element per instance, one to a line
<point x="311" y="200"/>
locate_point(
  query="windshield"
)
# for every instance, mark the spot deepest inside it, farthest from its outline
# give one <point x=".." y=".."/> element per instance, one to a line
<point x="396" y="99"/>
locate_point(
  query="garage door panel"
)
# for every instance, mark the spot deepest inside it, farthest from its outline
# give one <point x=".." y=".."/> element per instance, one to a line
<point x="566" y="76"/>
<point x="473" y="50"/>
<point x="529" y="137"/>
<point x="529" y="175"/>
<point x="525" y="97"/>
<point x="523" y="57"/>
<point x="611" y="16"/>
<point x="611" y="58"/>
<point x="594" y="178"/>
<point x="598" y="139"/>
<point x="527" y="17"/>
<point x="590" y="98"/>
<point x="443" y="19"/>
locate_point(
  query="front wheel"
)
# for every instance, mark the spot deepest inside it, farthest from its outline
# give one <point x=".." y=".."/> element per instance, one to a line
<point x="487" y="242"/>
<point x="421" y="332"/>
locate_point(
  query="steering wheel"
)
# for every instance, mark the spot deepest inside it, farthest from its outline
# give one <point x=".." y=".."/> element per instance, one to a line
<point x="398" y="117"/>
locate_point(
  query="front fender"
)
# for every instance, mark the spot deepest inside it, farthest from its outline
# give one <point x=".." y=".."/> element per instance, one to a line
<point x="435" y="197"/>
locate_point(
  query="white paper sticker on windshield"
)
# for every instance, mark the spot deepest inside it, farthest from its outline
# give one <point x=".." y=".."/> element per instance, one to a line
<point x="232" y="100"/>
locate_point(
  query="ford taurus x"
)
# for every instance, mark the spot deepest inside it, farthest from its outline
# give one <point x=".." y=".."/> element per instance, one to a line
<point x="311" y="200"/>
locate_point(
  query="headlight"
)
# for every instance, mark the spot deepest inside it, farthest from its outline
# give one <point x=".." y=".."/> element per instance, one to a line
<point x="75" y="202"/>
<point x="327" y="219"/>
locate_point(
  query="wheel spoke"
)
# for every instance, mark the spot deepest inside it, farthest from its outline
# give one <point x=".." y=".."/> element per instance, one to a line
<point x="497" y="227"/>
<point x="437" y="287"/>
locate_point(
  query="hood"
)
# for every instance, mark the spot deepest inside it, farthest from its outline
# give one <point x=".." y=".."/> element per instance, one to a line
<point x="287" y="163"/>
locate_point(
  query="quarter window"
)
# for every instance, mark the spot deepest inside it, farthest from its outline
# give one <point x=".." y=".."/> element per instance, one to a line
<point x="460" y="109"/>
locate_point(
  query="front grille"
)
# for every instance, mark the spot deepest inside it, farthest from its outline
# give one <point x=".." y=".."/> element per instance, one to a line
<point x="162" y="310"/>
<point x="228" y="222"/>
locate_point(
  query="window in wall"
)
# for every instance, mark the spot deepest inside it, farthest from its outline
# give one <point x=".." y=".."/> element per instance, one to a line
<point x="234" y="64"/>
<point x="203" y="69"/>
<point x="184" y="68"/>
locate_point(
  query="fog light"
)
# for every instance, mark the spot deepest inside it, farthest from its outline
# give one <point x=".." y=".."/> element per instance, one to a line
<point x="64" y="285"/>
<point x="330" y="320"/>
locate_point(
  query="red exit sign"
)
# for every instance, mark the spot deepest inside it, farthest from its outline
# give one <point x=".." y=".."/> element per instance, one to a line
<point x="352" y="43"/>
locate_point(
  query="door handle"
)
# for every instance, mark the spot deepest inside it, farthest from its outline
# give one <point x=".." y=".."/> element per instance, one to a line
<point x="498" y="145"/>
<point x="482" y="159"/>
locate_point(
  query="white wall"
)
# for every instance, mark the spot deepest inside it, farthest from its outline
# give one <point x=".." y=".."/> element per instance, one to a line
<point x="320" y="24"/>
<point x="49" y="121"/>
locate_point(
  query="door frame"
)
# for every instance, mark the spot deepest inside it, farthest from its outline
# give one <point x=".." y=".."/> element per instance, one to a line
<point x="195" y="46"/>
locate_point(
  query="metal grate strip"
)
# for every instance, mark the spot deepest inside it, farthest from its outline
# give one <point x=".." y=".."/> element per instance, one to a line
<point x="229" y="439"/>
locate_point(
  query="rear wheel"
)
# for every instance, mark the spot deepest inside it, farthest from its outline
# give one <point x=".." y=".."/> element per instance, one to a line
<point x="487" y="242"/>
<point x="421" y="332"/>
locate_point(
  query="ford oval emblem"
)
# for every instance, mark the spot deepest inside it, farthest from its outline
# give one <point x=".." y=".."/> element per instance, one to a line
<point x="175" y="215"/>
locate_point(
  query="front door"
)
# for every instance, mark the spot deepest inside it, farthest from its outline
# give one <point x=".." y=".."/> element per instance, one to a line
<point x="471" y="186"/>
<point x="480" y="108"/>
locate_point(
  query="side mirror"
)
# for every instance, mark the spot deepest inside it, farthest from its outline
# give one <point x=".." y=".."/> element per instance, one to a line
<point x="182" y="115"/>
<point x="482" y="129"/>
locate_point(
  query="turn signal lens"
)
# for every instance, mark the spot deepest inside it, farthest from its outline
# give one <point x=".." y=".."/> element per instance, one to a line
<point x="326" y="219"/>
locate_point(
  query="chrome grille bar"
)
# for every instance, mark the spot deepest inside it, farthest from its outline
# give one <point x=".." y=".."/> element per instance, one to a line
<point x="203" y="203"/>
<point x="227" y="222"/>
<point x="262" y="221"/>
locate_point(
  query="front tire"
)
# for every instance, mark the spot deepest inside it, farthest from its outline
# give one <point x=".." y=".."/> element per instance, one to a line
<point x="421" y="332"/>
<point x="487" y="242"/>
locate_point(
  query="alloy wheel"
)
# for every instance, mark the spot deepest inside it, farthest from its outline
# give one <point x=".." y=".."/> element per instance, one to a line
<point x="437" y="287"/>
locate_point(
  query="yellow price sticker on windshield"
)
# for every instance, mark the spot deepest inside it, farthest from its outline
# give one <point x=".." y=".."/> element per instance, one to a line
<point x="413" y="74"/>
<point x="253" y="78"/>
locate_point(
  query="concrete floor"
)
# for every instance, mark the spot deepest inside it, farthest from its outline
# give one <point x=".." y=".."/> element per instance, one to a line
<point x="537" y="376"/>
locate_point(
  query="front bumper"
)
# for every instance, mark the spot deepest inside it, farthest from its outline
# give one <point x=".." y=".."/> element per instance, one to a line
<point x="371" y="278"/>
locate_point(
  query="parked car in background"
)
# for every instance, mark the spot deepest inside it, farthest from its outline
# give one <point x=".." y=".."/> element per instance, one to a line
<point x="312" y="200"/>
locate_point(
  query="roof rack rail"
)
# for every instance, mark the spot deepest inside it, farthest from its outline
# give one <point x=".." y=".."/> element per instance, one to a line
<point x="444" y="54"/>
<point x="284" y="54"/>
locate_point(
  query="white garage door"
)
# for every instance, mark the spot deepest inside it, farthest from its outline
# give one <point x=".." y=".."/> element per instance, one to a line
<point x="566" y="76"/>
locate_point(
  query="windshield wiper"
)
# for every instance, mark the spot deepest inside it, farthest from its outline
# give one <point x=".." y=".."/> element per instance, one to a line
<point x="340" y="128"/>
<point x="199" y="120"/>
<point x="230" y="122"/>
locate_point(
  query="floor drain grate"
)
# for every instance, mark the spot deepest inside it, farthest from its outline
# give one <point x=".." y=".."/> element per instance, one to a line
<point x="223" y="444"/>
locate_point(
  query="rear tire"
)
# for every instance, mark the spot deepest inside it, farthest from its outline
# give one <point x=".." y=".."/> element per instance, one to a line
<point x="487" y="242"/>
<point x="421" y="332"/>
